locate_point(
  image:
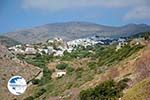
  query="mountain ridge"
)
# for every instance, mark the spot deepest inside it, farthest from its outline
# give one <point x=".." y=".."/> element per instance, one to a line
<point x="8" y="42"/>
<point x="74" y="30"/>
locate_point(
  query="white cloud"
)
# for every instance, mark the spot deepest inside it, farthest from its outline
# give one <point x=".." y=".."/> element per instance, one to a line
<point x="54" y="5"/>
<point x="138" y="9"/>
<point x="73" y="4"/>
<point x="138" y="13"/>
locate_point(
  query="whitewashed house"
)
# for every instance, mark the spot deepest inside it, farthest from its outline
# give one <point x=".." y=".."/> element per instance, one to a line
<point x="27" y="45"/>
<point x="20" y="51"/>
<point x="12" y="48"/>
<point x="50" y="50"/>
<point x="40" y="51"/>
<point x="50" y="41"/>
<point x="18" y="46"/>
<point x="58" y="53"/>
<point x="58" y="73"/>
<point x="30" y="50"/>
<point x="16" y="50"/>
<point x="70" y="49"/>
<point x="84" y="42"/>
<point x="122" y="43"/>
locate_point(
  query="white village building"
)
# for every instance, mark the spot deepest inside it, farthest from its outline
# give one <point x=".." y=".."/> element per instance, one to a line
<point x="84" y="42"/>
<point x="122" y="43"/>
<point x="58" y="73"/>
<point x="16" y="50"/>
<point x="30" y="50"/>
<point x="58" y="53"/>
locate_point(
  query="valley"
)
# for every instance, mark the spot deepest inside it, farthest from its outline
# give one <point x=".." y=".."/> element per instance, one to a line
<point x="74" y="74"/>
<point x="77" y="69"/>
<point x="74" y="49"/>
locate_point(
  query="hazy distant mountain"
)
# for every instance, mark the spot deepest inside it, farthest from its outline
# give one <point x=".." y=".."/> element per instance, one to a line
<point x="8" y="41"/>
<point x="73" y="30"/>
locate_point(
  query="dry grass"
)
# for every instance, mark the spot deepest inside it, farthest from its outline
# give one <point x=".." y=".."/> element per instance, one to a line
<point x="141" y="91"/>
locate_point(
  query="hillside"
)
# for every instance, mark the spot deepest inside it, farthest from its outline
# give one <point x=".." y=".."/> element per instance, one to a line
<point x="95" y="72"/>
<point x="8" y="41"/>
<point x="86" y="70"/>
<point x="141" y="81"/>
<point x="74" y="30"/>
<point x="139" y="92"/>
<point x="135" y="68"/>
<point x="10" y="66"/>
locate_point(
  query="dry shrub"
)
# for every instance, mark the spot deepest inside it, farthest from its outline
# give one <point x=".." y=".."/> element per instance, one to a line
<point x="113" y="73"/>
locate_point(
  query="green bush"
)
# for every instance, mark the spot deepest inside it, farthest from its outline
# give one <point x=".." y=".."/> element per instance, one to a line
<point x="69" y="69"/>
<point x="146" y="35"/>
<point x="35" y="81"/>
<point x="46" y="76"/>
<point x="39" y="60"/>
<point x="92" y="65"/>
<point x="29" y="98"/>
<point x="62" y="66"/>
<point x="122" y="84"/>
<point x="40" y="92"/>
<point x="79" y="69"/>
<point x="47" y="73"/>
<point x="108" y="90"/>
<point x="20" y="56"/>
<point x="43" y="81"/>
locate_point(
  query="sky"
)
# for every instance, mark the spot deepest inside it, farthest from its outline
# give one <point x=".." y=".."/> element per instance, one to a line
<point x="22" y="14"/>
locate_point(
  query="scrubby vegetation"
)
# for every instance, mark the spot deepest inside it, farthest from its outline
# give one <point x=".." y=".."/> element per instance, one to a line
<point x="80" y="52"/>
<point x="108" y="90"/>
<point x="145" y="35"/>
<point x="46" y="76"/>
<point x="141" y="91"/>
<point x="35" y="81"/>
<point x="38" y="93"/>
<point x="109" y="56"/>
<point x="29" y="98"/>
<point x="62" y="66"/>
<point x="92" y="65"/>
<point x="100" y="58"/>
<point x="69" y="69"/>
<point x="40" y="61"/>
<point x="106" y="55"/>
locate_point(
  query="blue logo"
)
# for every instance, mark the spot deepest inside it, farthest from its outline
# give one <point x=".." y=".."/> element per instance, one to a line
<point x="17" y="85"/>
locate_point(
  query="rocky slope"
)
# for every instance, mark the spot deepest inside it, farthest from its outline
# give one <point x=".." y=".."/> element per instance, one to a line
<point x="8" y="41"/>
<point x="139" y="92"/>
<point x="136" y="68"/>
<point x="10" y="66"/>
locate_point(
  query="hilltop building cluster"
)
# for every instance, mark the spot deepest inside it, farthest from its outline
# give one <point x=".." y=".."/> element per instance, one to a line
<point x="58" y="46"/>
